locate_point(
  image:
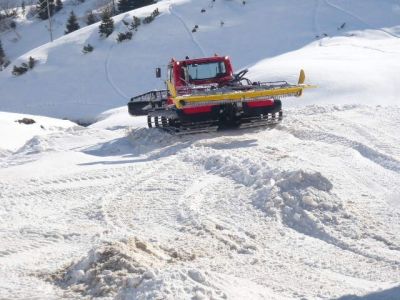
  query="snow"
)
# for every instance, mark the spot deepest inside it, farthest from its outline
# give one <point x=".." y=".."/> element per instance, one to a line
<point x="14" y="134"/>
<point x="309" y="209"/>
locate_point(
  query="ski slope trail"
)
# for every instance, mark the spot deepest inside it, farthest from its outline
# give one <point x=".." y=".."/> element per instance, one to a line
<point x="189" y="31"/>
<point x="109" y="76"/>
<point x="145" y="214"/>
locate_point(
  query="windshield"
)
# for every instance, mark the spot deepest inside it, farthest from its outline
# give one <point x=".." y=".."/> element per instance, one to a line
<point x="206" y="70"/>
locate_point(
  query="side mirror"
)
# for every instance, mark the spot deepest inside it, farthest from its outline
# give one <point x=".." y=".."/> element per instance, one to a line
<point x="158" y="72"/>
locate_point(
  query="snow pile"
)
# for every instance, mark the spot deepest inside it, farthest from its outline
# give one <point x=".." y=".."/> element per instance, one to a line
<point x="301" y="199"/>
<point x="173" y="283"/>
<point x="306" y="204"/>
<point x="35" y="145"/>
<point x="4" y="153"/>
<point x="132" y="269"/>
<point x="155" y="143"/>
<point x="108" y="268"/>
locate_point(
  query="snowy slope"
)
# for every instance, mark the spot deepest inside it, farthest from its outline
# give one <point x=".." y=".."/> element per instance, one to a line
<point x="32" y="32"/>
<point x="309" y="209"/>
<point x="15" y="134"/>
<point x="359" y="62"/>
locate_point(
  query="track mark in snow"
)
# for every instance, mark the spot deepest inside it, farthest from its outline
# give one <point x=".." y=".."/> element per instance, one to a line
<point x="108" y="76"/>
<point x="47" y="187"/>
<point x="45" y="206"/>
<point x="197" y="213"/>
<point x="165" y="206"/>
<point x="317" y="29"/>
<point x="180" y="18"/>
<point x="378" y="158"/>
<point x="147" y="204"/>
<point x="34" y="238"/>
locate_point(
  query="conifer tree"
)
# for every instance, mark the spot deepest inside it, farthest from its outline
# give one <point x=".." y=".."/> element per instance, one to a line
<point x="90" y="18"/>
<point x="126" y="5"/>
<point x="41" y="7"/>
<point x="107" y="24"/>
<point x="135" y="23"/>
<point x="59" y="5"/>
<point x="72" y="23"/>
<point x="141" y="3"/>
<point x="31" y="62"/>
<point x="87" y="48"/>
<point x="23" y="7"/>
<point x="2" y="55"/>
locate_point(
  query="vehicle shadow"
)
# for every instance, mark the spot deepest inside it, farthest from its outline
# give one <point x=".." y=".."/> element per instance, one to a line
<point x="388" y="294"/>
<point x="144" y="144"/>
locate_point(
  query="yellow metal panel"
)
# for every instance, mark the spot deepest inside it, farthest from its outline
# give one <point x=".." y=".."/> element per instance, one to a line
<point x="302" y="77"/>
<point x="171" y="89"/>
<point x="240" y="95"/>
<point x="235" y="96"/>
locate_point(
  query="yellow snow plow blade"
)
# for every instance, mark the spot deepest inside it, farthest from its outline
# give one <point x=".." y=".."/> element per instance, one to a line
<point x="275" y="92"/>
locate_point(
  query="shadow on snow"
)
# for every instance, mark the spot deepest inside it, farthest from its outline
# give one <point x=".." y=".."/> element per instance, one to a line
<point x="142" y="145"/>
<point x="389" y="294"/>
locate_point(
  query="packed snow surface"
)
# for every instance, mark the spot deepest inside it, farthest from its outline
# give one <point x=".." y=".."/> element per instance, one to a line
<point x="308" y="209"/>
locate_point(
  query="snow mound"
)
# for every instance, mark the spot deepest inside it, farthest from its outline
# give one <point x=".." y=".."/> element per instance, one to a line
<point x="109" y="268"/>
<point x="300" y="199"/>
<point x="137" y="142"/>
<point x="305" y="203"/>
<point x="37" y="144"/>
<point x="4" y="153"/>
<point x="147" y="137"/>
<point x="243" y="171"/>
<point x="174" y="283"/>
<point x="119" y="146"/>
<point x="156" y="143"/>
<point x="132" y="269"/>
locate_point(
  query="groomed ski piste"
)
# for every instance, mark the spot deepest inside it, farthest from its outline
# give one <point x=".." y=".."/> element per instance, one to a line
<point x="309" y="209"/>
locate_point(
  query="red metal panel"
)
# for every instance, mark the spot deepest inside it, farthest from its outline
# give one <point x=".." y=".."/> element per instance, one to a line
<point x="197" y="110"/>
<point x="261" y="103"/>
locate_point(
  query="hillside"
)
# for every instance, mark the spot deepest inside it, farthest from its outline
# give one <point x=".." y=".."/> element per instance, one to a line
<point x="358" y="62"/>
<point x="32" y="32"/>
<point x="309" y="209"/>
